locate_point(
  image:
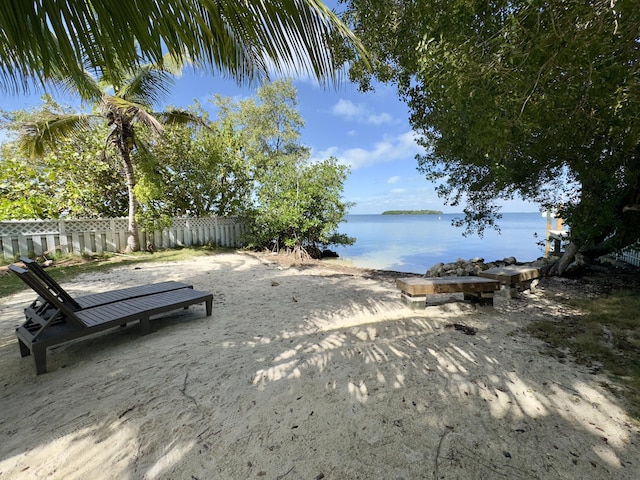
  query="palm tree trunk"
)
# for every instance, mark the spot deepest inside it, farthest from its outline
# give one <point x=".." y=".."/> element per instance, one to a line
<point x="133" y="243"/>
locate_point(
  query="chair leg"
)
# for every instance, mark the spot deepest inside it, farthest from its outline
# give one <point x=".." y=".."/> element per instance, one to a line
<point x="40" y="358"/>
<point x="24" y="349"/>
<point x="145" y="326"/>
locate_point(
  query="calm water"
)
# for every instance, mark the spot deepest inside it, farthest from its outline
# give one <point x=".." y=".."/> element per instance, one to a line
<point x="413" y="243"/>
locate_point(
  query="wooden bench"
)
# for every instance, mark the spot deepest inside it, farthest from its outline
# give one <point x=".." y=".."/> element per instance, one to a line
<point x="415" y="290"/>
<point x="514" y="277"/>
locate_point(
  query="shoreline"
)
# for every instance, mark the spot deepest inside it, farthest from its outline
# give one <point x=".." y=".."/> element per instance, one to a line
<point x="415" y="243"/>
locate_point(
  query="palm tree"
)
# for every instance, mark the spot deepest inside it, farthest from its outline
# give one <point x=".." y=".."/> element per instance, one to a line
<point x="242" y="39"/>
<point x="133" y="92"/>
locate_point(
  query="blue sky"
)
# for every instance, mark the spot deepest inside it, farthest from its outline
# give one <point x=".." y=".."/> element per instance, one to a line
<point x="369" y="132"/>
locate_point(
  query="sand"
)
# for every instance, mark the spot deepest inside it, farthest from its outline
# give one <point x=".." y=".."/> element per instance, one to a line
<point x="307" y="372"/>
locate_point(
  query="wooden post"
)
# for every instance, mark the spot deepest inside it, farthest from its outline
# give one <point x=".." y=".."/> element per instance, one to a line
<point x="548" y="244"/>
<point x="7" y="247"/>
<point x="553" y="236"/>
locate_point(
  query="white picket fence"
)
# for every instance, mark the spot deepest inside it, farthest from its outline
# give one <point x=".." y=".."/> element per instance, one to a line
<point x="631" y="255"/>
<point x="95" y="236"/>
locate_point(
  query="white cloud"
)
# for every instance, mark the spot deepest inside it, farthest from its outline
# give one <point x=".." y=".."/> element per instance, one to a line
<point x="360" y="113"/>
<point x="400" y="147"/>
<point x="383" y="118"/>
<point x="347" y="109"/>
<point x="394" y="179"/>
<point x="398" y="190"/>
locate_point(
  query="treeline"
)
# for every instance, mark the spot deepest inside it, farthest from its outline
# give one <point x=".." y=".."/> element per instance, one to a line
<point x="412" y="212"/>
<point x="247" y="162"/>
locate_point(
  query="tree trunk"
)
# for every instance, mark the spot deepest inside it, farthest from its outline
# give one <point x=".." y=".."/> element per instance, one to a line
<point x="569" y="255"/>
<point x="133" y="243"/>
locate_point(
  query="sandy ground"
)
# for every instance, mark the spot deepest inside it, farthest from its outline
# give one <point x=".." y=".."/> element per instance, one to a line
<point x="307" y="372"/>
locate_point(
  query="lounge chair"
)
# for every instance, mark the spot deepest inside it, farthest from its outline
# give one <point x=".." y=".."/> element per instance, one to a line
<point x="52" y="319"/>
<point x="96" y="299"/>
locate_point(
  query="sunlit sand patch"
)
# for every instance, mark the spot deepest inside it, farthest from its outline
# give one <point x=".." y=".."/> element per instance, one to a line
<point x="171" y="455"/>
<point x="77" y="455"/>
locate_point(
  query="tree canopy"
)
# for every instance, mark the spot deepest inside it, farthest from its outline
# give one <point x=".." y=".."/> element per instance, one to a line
<point x="247" y="162"/>
<point x="135" y="89"/>
<point x="57" y="184"/>
<point x="244" y="40"/>
<point x="524" y="98"/>
<point x="295" y="205"/>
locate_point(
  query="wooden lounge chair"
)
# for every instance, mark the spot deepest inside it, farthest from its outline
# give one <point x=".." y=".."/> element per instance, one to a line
<point x="93" y="300"/>
<point x="52" y="320"/>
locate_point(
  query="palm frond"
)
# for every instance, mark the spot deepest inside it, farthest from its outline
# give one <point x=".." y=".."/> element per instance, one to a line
<point x="149" y="120"/>
<point x="181" y="117"/>
<point x="119" y="106"/>
<point x="43" y="134"/>
<point x="83" y="84"/>
<point x="175" y="64"/>
<point x="237" y="38"/>
<point x="147" y="85"/>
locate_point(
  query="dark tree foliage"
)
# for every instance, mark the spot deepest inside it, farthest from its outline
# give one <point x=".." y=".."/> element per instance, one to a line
<point x="530" y="99"/>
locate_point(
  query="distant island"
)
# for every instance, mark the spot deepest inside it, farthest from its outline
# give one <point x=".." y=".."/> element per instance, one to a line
<point x="412" y="212"/>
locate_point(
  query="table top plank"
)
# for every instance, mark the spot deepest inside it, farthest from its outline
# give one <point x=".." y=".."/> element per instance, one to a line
<point x="415" y="286"/>
<point x="512" y="274"/>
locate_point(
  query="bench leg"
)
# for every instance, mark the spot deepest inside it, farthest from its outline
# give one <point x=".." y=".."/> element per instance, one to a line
<point x="482" y="299"/>
<point x="414" y="303"/>
<point x="209" y="306"/>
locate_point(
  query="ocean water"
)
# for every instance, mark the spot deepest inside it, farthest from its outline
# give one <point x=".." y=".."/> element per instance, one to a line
<point x="414" y="243"/>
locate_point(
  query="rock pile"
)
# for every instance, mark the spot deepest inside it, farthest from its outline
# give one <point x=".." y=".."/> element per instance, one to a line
<point x="474" y="266"/>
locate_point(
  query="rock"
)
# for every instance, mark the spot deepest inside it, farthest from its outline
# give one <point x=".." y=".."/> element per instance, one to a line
<point x="435" y="271"/>
<point x="475" y="266"/>
<point x="479" y="267"/>
<point x="533" y="286"/>
<point x="541" y="262"/>
<point x="469" y="269"/>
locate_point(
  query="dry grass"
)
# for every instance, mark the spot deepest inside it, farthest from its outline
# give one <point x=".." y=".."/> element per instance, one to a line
<point x="66" y="267"/>
<point x="606" y="337"/>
